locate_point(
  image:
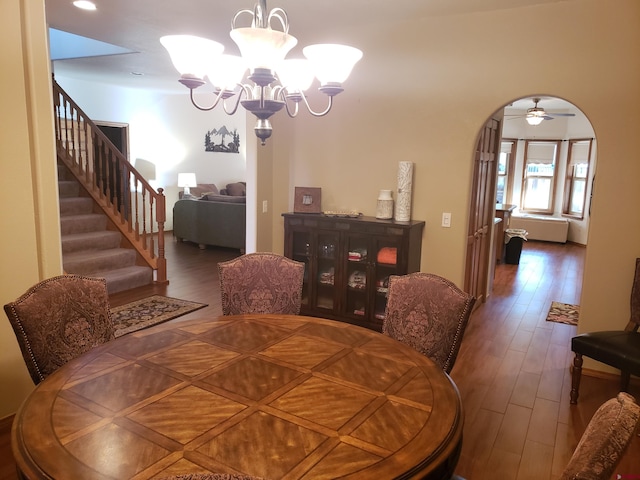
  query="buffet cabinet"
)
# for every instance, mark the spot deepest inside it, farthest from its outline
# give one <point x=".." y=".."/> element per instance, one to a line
<point x="348" y="262"/>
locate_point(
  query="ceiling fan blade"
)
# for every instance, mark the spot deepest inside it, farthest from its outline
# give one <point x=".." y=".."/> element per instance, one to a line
<point x="561" y="114"/>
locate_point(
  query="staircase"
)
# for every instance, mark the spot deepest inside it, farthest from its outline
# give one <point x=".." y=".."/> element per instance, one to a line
<point x="89" y="247"/>
<point x="111" y="219"/>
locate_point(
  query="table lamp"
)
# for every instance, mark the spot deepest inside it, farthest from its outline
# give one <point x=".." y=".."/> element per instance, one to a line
<point x="187" y="180"/>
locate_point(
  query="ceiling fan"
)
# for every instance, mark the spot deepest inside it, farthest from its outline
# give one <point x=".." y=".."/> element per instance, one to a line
<point x="536" y="114"/>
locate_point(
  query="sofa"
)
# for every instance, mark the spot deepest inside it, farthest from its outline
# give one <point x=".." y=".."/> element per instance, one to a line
<point x="212" y="217"/>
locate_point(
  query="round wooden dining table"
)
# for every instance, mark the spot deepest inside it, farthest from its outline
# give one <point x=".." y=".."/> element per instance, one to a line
<point x="271" y="396"/>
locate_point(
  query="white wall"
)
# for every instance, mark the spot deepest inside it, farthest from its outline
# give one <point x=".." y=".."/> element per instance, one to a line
<point x="30" y="245"/>
<point x="424" y="89"/>
<point x="166" y="131"/>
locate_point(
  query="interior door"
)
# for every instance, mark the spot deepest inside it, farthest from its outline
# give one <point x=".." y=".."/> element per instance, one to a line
<point x="482" y="210"/>
<point x="116" y="180"/>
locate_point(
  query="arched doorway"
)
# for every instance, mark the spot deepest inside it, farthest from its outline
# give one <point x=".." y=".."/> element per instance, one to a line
<point x="507" y="170"/>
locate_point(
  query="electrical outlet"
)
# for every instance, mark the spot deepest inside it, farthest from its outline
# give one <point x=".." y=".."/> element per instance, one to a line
<point x="265" y="206"/>
<point x="446" y="219"/>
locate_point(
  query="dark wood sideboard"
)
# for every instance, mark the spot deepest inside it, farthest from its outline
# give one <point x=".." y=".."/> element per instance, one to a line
<point x="348" y="262"/>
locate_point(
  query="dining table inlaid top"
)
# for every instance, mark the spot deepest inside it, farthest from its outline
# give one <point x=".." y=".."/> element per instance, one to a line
<point x="273" y="396"/>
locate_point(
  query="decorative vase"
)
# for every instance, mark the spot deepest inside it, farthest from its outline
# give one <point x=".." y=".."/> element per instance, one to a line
<point x="403" y="199"/>
<point x="384" y="210"/>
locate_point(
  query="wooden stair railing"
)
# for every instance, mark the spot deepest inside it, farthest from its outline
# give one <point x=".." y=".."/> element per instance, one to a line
<point x="132" y="205"/>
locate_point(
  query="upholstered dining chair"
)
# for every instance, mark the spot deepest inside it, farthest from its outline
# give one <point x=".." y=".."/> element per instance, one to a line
<point x="605" y="440"/>
<point x="261" y="283"/>
<point x="59" y="319"/>
<point x="428" y="313"/>
<point x="618" y="348"/>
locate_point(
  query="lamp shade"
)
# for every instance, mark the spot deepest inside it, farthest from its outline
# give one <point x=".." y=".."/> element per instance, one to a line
<point x="187" y="180"/>
<point x="332" y="63"/>
<point x="263" y="47"/>
<point x="187" y="52"/>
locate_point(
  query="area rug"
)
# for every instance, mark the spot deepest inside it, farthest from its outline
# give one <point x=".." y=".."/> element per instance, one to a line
<point x="563" y="313"/>
<point x="149" y="311"/>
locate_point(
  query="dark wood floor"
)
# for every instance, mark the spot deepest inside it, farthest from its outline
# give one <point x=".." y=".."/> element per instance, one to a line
<point x="512" y="371"/>
<point x="514" y="378"/>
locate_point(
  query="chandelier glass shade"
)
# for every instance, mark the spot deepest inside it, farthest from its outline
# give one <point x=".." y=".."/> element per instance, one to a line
<point x="261" y="79"/>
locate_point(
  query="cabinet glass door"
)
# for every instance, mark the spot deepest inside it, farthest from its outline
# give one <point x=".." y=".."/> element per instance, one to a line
<point x="385" y="263"/>
<point x="302" y="253"/>
<point x="358" y="276"/>
<point x="326" y="251"/>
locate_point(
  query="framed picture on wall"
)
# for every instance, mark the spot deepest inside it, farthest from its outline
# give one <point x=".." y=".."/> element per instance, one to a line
<point x="307" y="200"/>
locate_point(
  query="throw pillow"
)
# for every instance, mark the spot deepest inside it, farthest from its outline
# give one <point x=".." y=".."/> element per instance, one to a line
<point x="204" y="188"/>
<point x="237" y="189"/>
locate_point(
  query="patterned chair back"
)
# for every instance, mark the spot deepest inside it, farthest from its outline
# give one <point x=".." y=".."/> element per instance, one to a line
<point x="428" y="313"/>
<point x="58" y="320"/>
<point x="605" y="440"/>
<point x="261" y="283"/>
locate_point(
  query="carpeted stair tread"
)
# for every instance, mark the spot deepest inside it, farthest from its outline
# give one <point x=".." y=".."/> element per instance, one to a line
<point x="126" y="278"/>
<point x="100" y="240"/>
<point x="75" y="205"/>
<point x="68" y="188"/>
<point x="88" y="262"/>
<point x="88" y="222"/>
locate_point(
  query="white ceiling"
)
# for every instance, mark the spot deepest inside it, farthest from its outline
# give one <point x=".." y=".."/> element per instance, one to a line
<point x="136" y="26"/>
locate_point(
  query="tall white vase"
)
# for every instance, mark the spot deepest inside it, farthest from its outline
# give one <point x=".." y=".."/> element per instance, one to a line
<point x="403" y="199"/>
<point x="384" y="210"/>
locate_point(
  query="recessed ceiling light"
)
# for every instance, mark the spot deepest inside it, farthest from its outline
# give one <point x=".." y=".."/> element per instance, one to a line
<point x="85" y="4"/>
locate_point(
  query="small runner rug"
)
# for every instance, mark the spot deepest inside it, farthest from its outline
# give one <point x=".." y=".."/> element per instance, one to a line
<point x="563" y="313"/>
<point x="149" y="311"/>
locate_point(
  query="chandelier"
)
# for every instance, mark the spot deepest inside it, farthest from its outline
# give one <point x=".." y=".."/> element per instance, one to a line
<point x="272" y="83"/>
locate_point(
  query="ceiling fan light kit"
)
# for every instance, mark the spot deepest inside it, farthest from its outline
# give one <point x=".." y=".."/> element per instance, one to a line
<point x="276" y="83"/>
<point x="533" y="119"/>
<point x="536" y="115"/>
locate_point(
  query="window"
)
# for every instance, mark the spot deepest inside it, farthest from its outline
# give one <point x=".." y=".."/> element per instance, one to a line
<point x="539" y="175"/>
<point x="575" y="182"/>
<point x="505" y="162"/>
